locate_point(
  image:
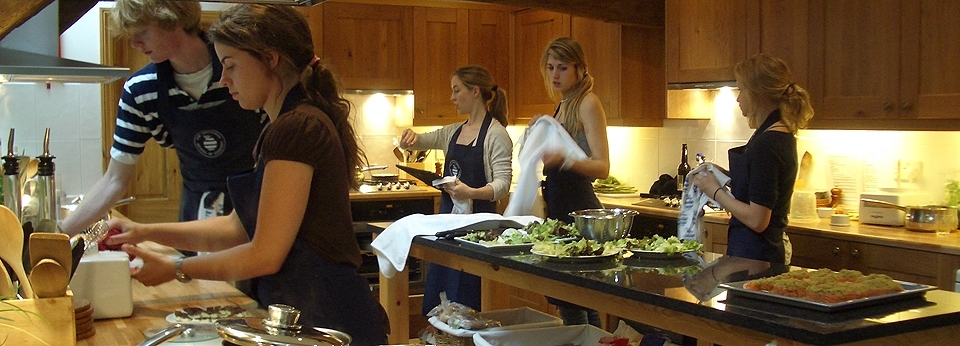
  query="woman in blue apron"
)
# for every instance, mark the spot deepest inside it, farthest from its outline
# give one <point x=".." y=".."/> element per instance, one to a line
<point x="763" y="171"/>
<point x="291" y="231"/>
<point x="478" y="152"/>
<point x="568" y="184"/>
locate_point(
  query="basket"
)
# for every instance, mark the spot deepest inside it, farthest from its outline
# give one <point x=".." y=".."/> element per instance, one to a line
<point x="578" y="335"/>
<point x="510" y="319"/>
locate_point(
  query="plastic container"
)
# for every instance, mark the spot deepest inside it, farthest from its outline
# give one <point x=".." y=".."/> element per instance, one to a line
<point x="803" y="207"/>
<point x="510" y="319"/>
<point x="562" y="335"/>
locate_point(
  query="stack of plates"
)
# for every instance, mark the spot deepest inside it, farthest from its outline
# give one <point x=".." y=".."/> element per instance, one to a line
<point x="83" y="314"/>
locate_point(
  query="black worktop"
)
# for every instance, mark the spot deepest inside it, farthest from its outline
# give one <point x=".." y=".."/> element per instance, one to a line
<point x="661" y="283"/>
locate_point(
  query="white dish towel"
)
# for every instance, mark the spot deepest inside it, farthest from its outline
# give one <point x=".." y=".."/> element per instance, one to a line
<point x="546" y="135"/>
<point x="392" y="246"/>
<point x="690" y="224"/>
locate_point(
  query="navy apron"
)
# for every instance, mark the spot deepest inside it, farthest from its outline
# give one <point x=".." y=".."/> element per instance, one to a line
<point x="467" y="164"/>
<point x="564" y="192"/>
<point x="743" y="241"/>
<point x="328" y="295"/>
<point x="211" y="143"/>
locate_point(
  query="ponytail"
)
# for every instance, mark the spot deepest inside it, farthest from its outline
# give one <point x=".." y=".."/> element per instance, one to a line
<point x="323" y="90"/>
<point x="498" y="105"/>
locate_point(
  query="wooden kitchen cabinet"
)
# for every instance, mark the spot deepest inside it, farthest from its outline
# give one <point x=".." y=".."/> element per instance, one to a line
<point x="369" y="46"/>
<point x="885" y="64"/>
<point x="911" y="265"/>
<point x="706" y="38"/>
<point x="715" y="237"/>
<point x="533" y="31"/>
<point x="446" y="39"/>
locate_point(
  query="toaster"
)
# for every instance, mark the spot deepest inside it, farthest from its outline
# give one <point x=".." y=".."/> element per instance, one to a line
<point x="888" y="216"/>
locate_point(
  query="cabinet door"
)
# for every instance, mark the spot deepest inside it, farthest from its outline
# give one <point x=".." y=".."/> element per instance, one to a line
<point x="715" y="237"/>
<point x="898" y="263"/>
<point x="601" y="45"/>
<point x="783" y="34"/>
<point x="440" y="47"/>
<point x="534" y="31"/>
<point x="935" y="93"/>
<point x="816" y="252"/>
<point x="369" y="46"/>
<point x="489" y="46"/>
<point x="706" y="38"/>
<point x="855" y="58"/>
<point x="643" y="95"/>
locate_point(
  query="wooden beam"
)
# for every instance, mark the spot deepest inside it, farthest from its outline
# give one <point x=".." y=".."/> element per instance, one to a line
<point x="14" y="13"/>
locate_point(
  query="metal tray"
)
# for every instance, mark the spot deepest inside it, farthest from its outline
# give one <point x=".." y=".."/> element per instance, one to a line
<point x="492" y="248"/>
<point x="910" y="290"/>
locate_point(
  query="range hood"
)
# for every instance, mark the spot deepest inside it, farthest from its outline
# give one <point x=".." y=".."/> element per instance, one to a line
<point x="20" y="66"/>
<point x="702" y="85"/>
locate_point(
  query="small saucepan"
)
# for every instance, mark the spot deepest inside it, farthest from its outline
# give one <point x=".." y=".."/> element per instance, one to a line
<point x="928" y="218"/>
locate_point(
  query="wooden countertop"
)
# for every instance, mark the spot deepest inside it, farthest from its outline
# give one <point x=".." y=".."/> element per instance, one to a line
<point x="151" y="305"/>
<point x="871" y="234"/>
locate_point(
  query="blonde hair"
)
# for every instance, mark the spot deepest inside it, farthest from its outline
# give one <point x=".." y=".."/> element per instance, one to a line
<point x="568" y="51"/>
<point x="128" y="16"/>
<point x="493" y="95"/>
<point x="769" y="78"/>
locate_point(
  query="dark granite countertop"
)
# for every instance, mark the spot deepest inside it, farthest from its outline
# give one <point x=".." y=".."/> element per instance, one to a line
<point x="662" y="283"/>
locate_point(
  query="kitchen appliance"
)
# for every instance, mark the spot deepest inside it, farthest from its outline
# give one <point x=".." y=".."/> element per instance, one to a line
<point x="393" y="184"/>
<point x="387" y="209"/>
<point x="103" y="279"/>
<point x="877" y="215"/>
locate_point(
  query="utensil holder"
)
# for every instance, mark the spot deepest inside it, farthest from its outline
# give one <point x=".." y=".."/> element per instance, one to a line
<point x="22" y="325"/>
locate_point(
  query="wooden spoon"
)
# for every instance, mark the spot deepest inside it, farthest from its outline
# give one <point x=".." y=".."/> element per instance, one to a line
<point x="29" y="171"/>
<point x="11" y="248"/>
<point x="55" y="246"/>
<point x="49" y="279"/>
<point x="6" y="285"/>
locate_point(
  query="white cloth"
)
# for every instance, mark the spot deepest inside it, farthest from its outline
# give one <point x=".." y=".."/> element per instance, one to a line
<point x="392" y="246"/>
<point x="546" y="135"/>
<point x="689" y="224"/>
<point x="211" y="205"/>
<point x="460" y="206"/>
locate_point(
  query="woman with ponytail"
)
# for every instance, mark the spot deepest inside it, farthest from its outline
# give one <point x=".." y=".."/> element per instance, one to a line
<point x="291" y="232"/>
<point x="763" y="171"/>
<point x="479" y="153"/>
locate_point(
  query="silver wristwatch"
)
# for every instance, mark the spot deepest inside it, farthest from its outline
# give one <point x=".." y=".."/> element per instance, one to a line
<point x="181" y="276"/>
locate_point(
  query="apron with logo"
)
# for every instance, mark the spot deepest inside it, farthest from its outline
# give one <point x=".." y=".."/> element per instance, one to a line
<point x="465" y="162"/>
<point x="212" y="144"/>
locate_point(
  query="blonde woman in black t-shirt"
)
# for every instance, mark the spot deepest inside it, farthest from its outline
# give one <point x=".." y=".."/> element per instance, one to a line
<point x="291" y="232"/>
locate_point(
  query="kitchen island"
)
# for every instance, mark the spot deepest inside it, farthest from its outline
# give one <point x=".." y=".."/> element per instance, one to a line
<point x="661" y="300"/>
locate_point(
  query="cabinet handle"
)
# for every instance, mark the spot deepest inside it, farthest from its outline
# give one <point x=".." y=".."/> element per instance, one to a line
<point x="420" y="111"/>
<point x="906" y="106"/>
<point x="836" y="250"/>
<point x="887" y="106"/>
<point x="854" y="253"/>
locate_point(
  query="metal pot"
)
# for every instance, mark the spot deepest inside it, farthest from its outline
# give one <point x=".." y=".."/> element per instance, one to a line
<point x="928" y="218"/>
<point x="279" y="328"/>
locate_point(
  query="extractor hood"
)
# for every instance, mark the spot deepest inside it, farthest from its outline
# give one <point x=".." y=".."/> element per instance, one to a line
<point x="20" y="66"/>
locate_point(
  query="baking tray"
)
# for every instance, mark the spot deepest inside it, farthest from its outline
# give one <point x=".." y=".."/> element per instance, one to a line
<point x="910" y="290"/>
<point x="495" y="248"/>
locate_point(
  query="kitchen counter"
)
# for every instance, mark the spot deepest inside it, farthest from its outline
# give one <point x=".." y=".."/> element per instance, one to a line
<point x="871" y="234"/>
<point x="426" y="192"/>
<point x="636" y="292"/>
<point x="151" y="305"/>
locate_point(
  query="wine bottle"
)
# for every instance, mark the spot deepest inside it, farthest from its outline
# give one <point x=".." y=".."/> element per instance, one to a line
<point x="682" y="169"/>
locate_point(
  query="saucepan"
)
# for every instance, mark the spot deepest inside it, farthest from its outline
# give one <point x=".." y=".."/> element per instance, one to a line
<point x="929" y="218"/>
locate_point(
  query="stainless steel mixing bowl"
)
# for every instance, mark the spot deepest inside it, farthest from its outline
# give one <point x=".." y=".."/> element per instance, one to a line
<point x="603" y="224"/>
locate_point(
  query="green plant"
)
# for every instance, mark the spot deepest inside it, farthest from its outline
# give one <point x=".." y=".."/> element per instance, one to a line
<point x="951" y="195"/>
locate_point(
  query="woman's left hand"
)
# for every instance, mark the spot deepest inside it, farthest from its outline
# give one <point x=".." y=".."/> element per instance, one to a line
<point x="157" y="268"/>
